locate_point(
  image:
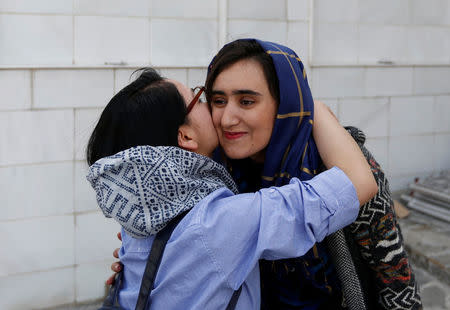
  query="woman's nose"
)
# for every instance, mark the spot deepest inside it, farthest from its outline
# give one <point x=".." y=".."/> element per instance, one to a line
<point x="230" y="116"/>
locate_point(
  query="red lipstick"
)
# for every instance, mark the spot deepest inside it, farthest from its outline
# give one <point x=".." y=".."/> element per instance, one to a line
<point x="233" y="135"/>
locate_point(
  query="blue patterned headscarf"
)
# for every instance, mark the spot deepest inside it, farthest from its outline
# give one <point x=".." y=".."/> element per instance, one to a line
<point x="291" y="151"/>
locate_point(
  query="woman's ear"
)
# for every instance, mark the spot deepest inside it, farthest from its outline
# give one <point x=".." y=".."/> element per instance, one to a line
<point x="186" y="138"/>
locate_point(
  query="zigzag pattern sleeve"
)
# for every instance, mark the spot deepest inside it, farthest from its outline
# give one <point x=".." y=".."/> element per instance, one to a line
<point x="379" y="240"/>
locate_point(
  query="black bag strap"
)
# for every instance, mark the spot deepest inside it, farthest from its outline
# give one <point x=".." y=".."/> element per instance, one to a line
<point x="154" y="260"/>
<point x="234" y="299"/>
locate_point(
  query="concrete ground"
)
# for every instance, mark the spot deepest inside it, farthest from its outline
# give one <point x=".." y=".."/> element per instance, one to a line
<point x="427" y="241"/>
<point x="435" y="294"/>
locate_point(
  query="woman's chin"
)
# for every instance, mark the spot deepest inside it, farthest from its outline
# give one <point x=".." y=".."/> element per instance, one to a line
<point x="236" y="154"/>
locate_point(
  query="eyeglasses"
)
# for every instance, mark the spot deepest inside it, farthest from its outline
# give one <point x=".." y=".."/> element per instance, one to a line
<point x="198" y="91"/>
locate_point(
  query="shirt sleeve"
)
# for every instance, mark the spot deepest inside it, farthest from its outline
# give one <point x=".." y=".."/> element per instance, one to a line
<point x="274" y="223"/>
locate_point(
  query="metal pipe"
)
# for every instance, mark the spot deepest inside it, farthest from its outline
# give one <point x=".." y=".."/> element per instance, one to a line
<point x="432" y="193"/>
<point x="426" y="208"/>
<point x="430" y="200"/>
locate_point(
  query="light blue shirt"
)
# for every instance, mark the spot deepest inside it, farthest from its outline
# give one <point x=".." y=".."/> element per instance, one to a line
<point x="216" y="247"/>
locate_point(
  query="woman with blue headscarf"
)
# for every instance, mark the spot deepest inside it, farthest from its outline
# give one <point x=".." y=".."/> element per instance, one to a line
<point x="262" y="148"/>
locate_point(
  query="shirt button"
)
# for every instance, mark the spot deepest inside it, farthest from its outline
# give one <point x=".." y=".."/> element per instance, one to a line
<point x="271" y="190"/>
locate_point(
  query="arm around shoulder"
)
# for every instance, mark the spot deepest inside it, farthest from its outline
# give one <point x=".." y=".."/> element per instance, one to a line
<point x="337" y="148"/>
<point x="238" y="230"/>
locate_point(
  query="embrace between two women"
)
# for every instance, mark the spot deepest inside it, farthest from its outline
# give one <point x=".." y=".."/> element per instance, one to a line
<point x="285" y="176"/>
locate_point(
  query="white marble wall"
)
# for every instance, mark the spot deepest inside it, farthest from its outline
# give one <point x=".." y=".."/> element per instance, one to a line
<point x="404" y="111"/>
<point x="385" y="67"/>
<point x="62" y="60"/>
<point x="369" y="31"/>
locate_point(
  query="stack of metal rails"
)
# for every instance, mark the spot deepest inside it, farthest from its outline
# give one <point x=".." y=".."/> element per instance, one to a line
<point x="431" y="196"/>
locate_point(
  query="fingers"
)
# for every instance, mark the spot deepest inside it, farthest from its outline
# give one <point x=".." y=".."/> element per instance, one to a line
<point x="110" y="280"/>
<point x="116" y="266"/>
<point x="116" y="253"/>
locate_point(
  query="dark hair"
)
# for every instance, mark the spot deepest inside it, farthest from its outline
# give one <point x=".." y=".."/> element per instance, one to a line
<point x="148" y="111"/>
<point x="239" y="50"/>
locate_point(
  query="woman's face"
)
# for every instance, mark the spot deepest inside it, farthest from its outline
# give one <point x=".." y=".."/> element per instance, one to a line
<point x="243" y="110"/>
<point x="200" y="121"/>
